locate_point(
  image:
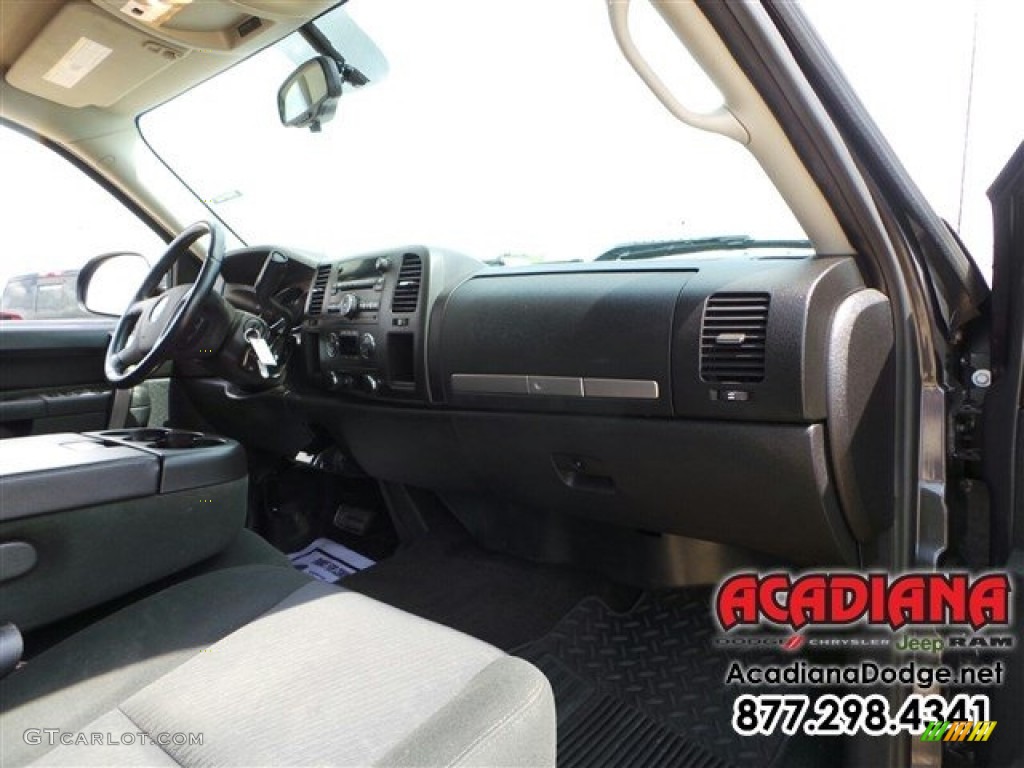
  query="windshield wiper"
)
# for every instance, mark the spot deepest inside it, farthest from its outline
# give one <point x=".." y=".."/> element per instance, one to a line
<point x="660" y="248"/>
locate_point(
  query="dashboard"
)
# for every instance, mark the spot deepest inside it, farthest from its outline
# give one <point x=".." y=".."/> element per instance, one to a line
<point x="735" y="338"/>
<point x="740" y="400"/>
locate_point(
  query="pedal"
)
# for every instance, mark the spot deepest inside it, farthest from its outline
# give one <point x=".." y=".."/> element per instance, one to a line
<point x="353" y="519"/>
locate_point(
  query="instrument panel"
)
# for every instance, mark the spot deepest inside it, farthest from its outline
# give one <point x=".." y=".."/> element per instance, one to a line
<point x="715" y="399"/>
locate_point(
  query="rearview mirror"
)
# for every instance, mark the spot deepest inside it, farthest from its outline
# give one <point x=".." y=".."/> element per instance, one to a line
<point x="309" y="97"/>
<point x="107" y="284"/>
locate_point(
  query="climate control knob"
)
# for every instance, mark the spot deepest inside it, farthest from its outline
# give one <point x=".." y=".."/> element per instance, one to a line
<point x="367" y="346"/>
<point x="349" y="305"/>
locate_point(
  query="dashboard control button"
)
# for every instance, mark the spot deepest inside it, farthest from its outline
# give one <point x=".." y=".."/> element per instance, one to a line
<point x="333" y="345"/>
<point x="733" y="395"/>
<point x="349" y="305"/>
<point x="332" y="380"/>
<point x="383" y="264"/>
<point x="367" y="346"/>
<point x="370" y="384"/>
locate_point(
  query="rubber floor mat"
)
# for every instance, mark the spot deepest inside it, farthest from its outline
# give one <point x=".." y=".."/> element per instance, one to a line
<point x="645" y="688"/>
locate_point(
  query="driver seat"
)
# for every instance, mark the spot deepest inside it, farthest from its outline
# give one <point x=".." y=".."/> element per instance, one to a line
<point x="261" y="665"/>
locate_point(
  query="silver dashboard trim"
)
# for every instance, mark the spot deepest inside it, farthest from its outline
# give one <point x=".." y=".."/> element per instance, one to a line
<point x="554" y="386"/>
<point x="489" y="384"/>
<point x="626" y="389"/>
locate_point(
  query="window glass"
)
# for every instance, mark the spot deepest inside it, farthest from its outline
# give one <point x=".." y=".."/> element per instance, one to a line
<point x="940" y="78"/>
<point x="56" y="219"/>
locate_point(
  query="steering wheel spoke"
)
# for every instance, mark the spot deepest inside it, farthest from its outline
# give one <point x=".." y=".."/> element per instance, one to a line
<point x="137" y="308"/>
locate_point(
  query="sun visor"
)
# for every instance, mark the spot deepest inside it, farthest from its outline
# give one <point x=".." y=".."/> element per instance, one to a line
<point x="84" y="57"/>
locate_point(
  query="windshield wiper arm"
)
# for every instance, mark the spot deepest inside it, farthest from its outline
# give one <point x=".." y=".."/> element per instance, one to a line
<point x="695" y="245"/>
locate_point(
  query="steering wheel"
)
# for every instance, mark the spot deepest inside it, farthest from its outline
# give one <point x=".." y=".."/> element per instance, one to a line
<point x="148" y="330"/>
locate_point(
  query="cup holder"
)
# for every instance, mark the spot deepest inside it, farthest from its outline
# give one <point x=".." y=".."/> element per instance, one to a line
<point x="185" y="440"/>
<point x="147" y="435"/>
<point x="163" y="439"/>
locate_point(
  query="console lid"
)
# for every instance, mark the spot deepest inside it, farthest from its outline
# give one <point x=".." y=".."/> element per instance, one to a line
<point x="50" y="473"/>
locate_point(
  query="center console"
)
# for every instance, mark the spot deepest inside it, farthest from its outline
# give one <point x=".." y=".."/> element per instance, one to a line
<point x="88" y="517"/>
<point x="187" y="459"/>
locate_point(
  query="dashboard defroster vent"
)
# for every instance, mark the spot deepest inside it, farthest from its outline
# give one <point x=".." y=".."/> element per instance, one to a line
<point x="732" y="339"/>
<point x="319" y="289"/>
<point x="407" y="290"/>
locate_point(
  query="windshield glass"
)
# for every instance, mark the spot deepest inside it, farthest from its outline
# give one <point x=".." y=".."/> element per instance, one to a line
<point x="509" y="131"/>
<point x="937" y="77"/>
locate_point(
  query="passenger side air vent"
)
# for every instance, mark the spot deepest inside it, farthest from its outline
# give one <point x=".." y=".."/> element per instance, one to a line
<point x="319" y="289"/>
<point x="407" y="290"/>
<point x="732" y="339"/>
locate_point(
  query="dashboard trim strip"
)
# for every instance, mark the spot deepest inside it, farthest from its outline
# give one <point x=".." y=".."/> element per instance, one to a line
<point x="553" y="386"/>
<point x="489" y="384"/>
<point x="556" y="386"/>
<point x="625" y="389"/>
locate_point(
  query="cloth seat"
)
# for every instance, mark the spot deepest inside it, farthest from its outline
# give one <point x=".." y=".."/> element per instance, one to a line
<point x="259" y="666"/>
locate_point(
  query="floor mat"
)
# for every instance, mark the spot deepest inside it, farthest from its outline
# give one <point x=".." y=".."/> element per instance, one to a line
<point x="329" y="561"/>
<point x="505" y="601"/>
<point x="644" y="687"/>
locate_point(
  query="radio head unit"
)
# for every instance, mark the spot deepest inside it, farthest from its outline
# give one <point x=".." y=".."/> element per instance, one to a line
<point x="365" y="326"/>
<point x="362" y="321"/>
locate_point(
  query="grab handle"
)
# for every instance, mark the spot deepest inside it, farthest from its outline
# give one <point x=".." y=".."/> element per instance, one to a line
<point x="720" y="121"/>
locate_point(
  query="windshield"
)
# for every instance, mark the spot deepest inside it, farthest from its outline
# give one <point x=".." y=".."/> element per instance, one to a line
<point x="938" y="79"/>
<point x="511" y="131"/>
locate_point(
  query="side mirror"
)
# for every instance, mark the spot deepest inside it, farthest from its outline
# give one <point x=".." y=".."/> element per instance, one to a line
<point x="107" y="283"/>
<point x="309" y="97"/>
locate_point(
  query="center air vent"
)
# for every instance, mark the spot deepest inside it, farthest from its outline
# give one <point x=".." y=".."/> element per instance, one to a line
<point x="319" y="289"/>
<point x="732" y="339"/>
<point x="407" y="289"/>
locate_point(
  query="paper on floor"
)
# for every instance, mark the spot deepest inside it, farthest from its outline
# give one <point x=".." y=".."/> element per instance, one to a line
<point x="329" y="561"/>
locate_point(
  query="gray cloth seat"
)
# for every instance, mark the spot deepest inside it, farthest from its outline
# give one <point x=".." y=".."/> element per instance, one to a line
<point x="265" y="667"/>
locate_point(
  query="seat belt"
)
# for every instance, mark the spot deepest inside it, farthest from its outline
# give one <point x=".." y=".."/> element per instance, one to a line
<point x="119" y="408"/>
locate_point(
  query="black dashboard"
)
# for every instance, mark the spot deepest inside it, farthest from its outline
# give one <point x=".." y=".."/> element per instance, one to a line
<point x="739" y="400"/>
<point x="723" y="339"/>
